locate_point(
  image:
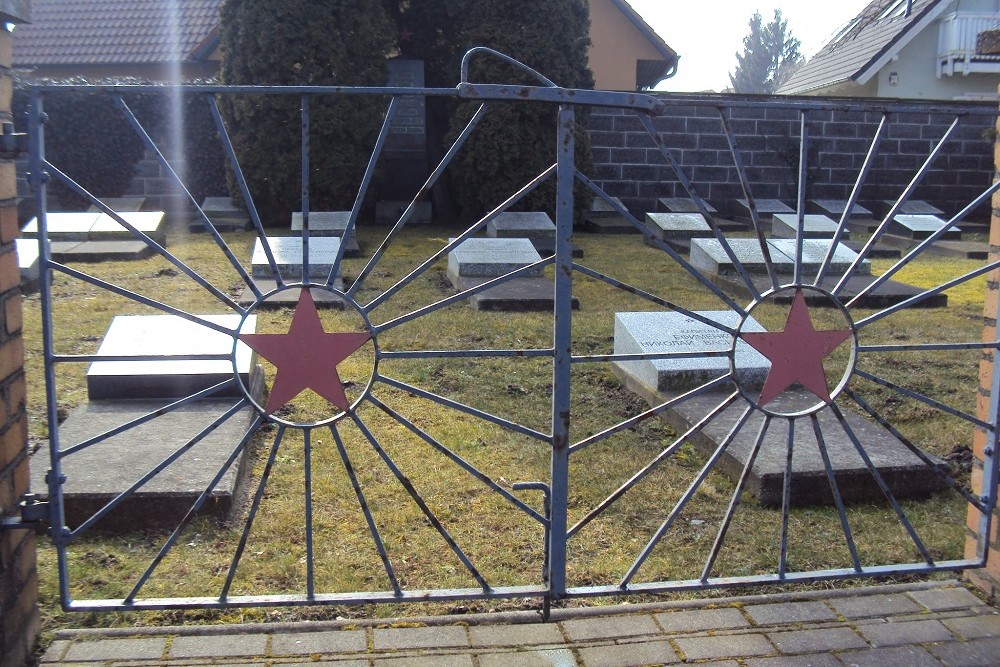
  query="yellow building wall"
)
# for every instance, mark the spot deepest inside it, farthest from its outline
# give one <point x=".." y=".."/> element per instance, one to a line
<point x="616" y="46"/>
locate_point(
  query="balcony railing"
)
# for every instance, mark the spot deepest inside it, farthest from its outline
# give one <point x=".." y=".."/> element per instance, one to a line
<point x="957" y="44"/>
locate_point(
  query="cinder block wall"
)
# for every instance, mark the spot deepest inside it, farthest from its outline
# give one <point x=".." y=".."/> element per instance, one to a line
<point x="988" y="579"/>
<point x="19" y="618"/>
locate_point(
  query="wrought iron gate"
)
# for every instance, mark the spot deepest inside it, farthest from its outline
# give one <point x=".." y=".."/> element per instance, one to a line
<point x="629" y="506"/>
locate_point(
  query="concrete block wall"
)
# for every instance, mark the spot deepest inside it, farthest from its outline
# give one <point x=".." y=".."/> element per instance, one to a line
<point x="628" y="164"/>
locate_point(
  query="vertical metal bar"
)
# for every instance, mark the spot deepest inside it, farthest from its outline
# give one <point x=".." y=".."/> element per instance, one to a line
<point x="562" y="335"/>
<point x="786" y="501"/>
<point x="800" y="204"/>
<point x="990" y="458"/>
<point x="307" y="474"/>
<point x="305" y="191"/>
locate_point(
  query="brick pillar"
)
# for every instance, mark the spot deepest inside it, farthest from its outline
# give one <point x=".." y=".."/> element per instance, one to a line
<point x="987" y="579"/>
<point x="19" y="618"/>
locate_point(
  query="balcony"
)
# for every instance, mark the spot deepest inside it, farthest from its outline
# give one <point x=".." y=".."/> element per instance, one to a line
<point x="957" y="53"/>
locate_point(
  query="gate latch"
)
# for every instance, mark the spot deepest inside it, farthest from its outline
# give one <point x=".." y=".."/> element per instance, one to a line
<point x="34" y="512"/>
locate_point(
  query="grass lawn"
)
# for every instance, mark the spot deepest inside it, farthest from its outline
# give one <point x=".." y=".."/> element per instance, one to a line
<point x="504" y="542"/>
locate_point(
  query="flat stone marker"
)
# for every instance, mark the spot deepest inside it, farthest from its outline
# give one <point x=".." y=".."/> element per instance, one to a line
<point x="661" y="332"/>
<point x="478" y="257"/>
<point x="106" y="228"/>
<point x="223" y="215"/>
<point x="765" y="207"/>
<point x="814" y="226"/>
<point x="27" y="262"/>
<point x="709" y="257"/>
<point x="72" y="226"/>
<point x="166" y="336"/>
<point x="814" y="252"/>
<point x="99" y="473"/>
<point x="99" y="251"/>
<point x="287" y="252"/>
<point x="289" y="298"/>
<point x="599" y="208"/>
<point x="120" y="204"/>
<point x="910" y="207"/>
<point x="678" y="226"/>
<point x="684" y="205"/>
<point x="522" y="225"/>
<point x="602" y="218"/>
<point x="93" y="237"/>
<point x="834" y="208"/>
<point x="329" y="223"/>
<point x="887" y="294"/>
<point x="961" y="249"/>
<point x="921" y="226"/>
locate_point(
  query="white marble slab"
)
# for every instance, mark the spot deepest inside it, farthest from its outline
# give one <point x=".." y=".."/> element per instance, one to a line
<point x="287" y="252"/>
<point x="491" y="257"/>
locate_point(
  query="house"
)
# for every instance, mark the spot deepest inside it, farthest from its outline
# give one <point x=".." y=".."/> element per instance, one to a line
<point x="115" y="38"/>
<point x="912" y="49"/>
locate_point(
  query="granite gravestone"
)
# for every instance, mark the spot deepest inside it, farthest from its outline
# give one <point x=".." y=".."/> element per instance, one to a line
<point x="90" y="236"/>
<point x="814" y="226"/>
<point x="684" y="205"/>
<point x="223" y="215"/>
<point x="330" y="223"/>
<point x="404" y="157"/>
<point x="709" y="257"/>
<point x="603" y="218"/>
<point x="677" y="229"/>
<point x="287" y="252"/>
<point x="834" y="208"/>
<point x="919" y="227"/>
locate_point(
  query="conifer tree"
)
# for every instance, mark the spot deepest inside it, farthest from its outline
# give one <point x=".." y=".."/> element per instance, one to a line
<point x="770" y="56"/>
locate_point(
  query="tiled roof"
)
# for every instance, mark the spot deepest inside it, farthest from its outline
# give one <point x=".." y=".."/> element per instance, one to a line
<point x="865" y="41"/>
<point x="87" y="32"/>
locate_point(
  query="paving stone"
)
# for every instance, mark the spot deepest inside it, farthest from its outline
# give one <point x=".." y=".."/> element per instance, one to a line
<point x="610" y="627"/>
<point x="231" y="646"/>
<point x="320" y="663"/>
<point x="905" y="632"/>
<point x="727" y="646"/>
<point x="975" y="653"/>
<point x="897" y="656"/>
<point x="151" y="648"/>
<point x="55" y="651"/>
<point x="866" y="606"/>
<point x="789" y="612"/>
<point x="556" y="657"/>
<point x="812" y="660"/>
<point x="460" y="660"/>
<point x="696" y="620"/>
<point x="942" y="599"/>
<point x="515" y="635"/>
<point x="306" y="643"/>
<point x="633" y="654"/>
<point x="817" y="640"/>
<point x="432" y="637"/>
<point x="974" y="627"/>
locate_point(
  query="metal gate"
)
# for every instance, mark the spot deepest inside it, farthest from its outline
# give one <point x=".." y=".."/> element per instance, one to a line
<point x="478" y="455"/>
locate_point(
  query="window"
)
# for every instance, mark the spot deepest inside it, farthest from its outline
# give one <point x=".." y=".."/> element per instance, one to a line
<point x="894" y="10"/>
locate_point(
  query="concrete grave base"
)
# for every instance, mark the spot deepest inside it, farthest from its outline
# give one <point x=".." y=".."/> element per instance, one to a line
<point x="879" y="251"/>
<point x="528" y="294"/>
<point x="289" y="298"/>
<point x="99" y="473"/>
<point x="961" y="249"/>
<point x="904" y="473"/>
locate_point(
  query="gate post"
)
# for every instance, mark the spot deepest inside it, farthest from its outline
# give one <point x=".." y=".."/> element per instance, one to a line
<point x="19" y="618"/>
<point x="981" y="535"/>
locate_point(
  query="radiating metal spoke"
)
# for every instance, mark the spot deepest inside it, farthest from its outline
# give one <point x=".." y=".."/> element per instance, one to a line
<point x="686" y="497"/>
<point x="926" y="400"/>
<point x="835" y="490"/>
<point x="307" y="479"/>
<point x="533" y="353"/>
<point x="649" y="356"/>
<point x="667" y="452"/>
<point x="926" y="347"/>
<point x="800" y="199"/>
<point x="419" y="501"/>
<point x="786" y="499"/>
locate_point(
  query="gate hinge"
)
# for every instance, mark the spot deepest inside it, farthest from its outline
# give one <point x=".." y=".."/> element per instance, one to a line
<point x="12" y="144"/>
<point x="34" y="513"/>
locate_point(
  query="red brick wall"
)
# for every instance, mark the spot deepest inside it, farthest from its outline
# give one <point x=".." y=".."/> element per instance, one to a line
<point x="19" y="620"/>
<point x="987" y="579"/>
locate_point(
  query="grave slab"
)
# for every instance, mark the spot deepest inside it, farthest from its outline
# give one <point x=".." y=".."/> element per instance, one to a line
<point x="329" y="223"/>
<point x="527" y="294"/>
<point x="150" y="223"/>
<point x="70" y="226"/>
<point x="834" y="208"/>
<point x="27" y="262"/>
<point x="879" y="251"/>
<point x="887" y="294"/>
<point x="684" y="205"/>
<point x="814" y="253"/>
<point x="102" y="471"/>
<point x="602" y="209"/>
<point x="678" y="226"/>
<point x="919" y="227"/>
<point x="478" y="257"/>
<point x="522" y="225"/>
<point x="223" y="214"/>
<point x="166" y="336"/>
<point x="961" y="249"/>
<point x="602" y="218"/>
<point x="287" y="253"/>
<point x="910" y="207"/>
<point x="290" y="298"/>
<point x="709" y="257"/>
<point x="815" y="226"/>
<point x="662" y="332"/>
<point x="99" y="251"/>
<point x="765" y="208"/>
<point x="120" y="204"/>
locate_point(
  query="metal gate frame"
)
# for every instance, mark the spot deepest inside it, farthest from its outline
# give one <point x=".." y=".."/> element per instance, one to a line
<point x="556" y="523"/>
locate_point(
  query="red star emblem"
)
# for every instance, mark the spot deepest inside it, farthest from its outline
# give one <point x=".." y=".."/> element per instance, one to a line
<point x="306" y="357"/>
<point x="797" y="353"/>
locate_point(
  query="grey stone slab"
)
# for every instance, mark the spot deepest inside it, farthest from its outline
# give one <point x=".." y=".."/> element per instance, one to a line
<point x="684" y="205"/>
<point x="101" y="650"/>
<point x="816" y="640"/>
<point x="102" y="471"/>
<point x="878" y="251"/>
<point x="63" y="226"/>
<point x="529" y="634"/>
<point x="920" y="227"/>
<point x="678" y="226"/>
<point x="287" y="253"/>
<point x="724" y="646"/>
<point x="167" y="337"/>
<point x="290" y="297"/>
<point x="904" y="473"/>
<point x="319" y="643"/>
<point x="709" y="257"/>
<point x="814" y="252"/>
<point x="834" y="208"/>
<point x="974" y="627"/>
<point x="225" y="645"/>
<point x="27" y="259"/>
<point x="223" y="215"/>
<point x="530" y="294"/>
<point x="897" y="656"/>
<point x="632" y="654"/>
<point x="599" y="208"/>
<point x="120" y="204"/>
<point x="106" y="228"/>
<point x="886" y="294"/>
<point x="398" y="639"/>
<point x="356" y="662"/>
<point x="869" y="606"/>
<point x="814" y="226"/>
<point x="765" y="207"/>
<point x="946" y="599"/>
<point x="910" y="207"/>
<point x="975" y="653"/>
<point x="697" y="620"/>
<point x="809" y="660"/>
<point x="610" y="627"/>
<point x="479" y="257"/>
<point x="553" y="657"/>
<point x="666" y="332"/>
<point x="905" y="632"/>
<point x="438" y="660"/>
<point x="779" y="613"/>
<point x="323" y="223"/>
<point x="523" y="225"/>
<point x="100" y="251"/>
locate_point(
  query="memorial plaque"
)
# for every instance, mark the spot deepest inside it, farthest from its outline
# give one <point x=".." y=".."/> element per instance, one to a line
<point x="765" y="207"/>
<point x="815" y="226"/>
<point x="148" y="222"/>
<point x="911" y="207"/>
<point x="662" y="332"/>
<point x="287" y="252"/>
<point x="920" y="227"/>
<point x="491" y="257"/>
<point x="223" y="215"/>
<point x="678" y="226"/>
<point x="709" y="257"/>
<point x="323" y="223"/>
<point x="599" y="208"/>
<point x="523" y="225"/>
<point x="814" y="252"/>
<point x="834" y="208"/>
<point x="120" y="204"/>
<point x="684" y="205"/>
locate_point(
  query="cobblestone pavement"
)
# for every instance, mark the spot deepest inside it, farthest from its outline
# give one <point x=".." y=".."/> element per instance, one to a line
<point x="910" y="625"/>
